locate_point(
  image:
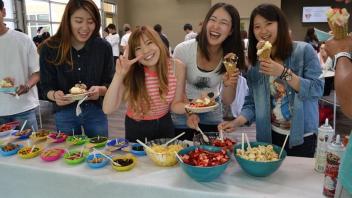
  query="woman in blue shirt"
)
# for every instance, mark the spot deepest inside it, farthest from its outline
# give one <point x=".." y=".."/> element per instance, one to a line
<point x="284" y="89"/>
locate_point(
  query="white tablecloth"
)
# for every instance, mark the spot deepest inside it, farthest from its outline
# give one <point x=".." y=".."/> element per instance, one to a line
<point x="36" y="178"/>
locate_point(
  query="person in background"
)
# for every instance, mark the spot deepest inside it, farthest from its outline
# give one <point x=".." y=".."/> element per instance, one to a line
<point x="158" y="29"/>
<point x="324" y="59"/>
<point x="76" y="54"/>
<point x="19" y="64"/>
<point x="189" y="32"/>
<point x="126" y="36"/>
<point x="105" y="32"/>
<point x="312" y="39"/>
<point x="114" y="39"/>
<point x="152" y="84"/>
<point x="220" y="37"/>
<point x="38" y="38"/>
<point x="283" y="90"/>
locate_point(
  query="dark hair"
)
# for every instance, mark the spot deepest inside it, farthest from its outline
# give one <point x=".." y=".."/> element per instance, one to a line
<point x="18" y="30"/>
<point x="310" y="35"/>
<point x="112" y="26"/>
<point x="233" y="43"/>
<point x="157" y="28"/>
<point x="106" y="30"/>
<point x="39" y="29"/>
<point x="1" y="4"/>
<point x="62" y="38"/>
<point x="283" y="43"/>
<point x="126" y="27"/>
<point x="187" y="26"/>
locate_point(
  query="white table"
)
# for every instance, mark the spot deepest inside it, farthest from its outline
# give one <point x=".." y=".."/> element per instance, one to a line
<point x="36" y="178"/>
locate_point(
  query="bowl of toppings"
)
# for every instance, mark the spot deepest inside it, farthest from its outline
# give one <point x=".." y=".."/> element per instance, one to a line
<point x="52" y="154"/>
<point x="202" y="105"/>
<point x="163" y="155"/>
<point x="40" y="135"/>
<point x="6" y="129"/>
<point x="75" y="157"/>
<point x="124" y="163"/>
<point x="204" y="163"/>
<point x="57" y="137"/>
<point x="96" y="160"/>
<point x="29" y="152"/>
<point x="97" y="142"/>
<point x="227" y="143"/>
<point x="10" y="149"/>
<point x="24" y="134"/>
<point x="261" y="160"/>
<point x="77" y="139"/>
<point x="116" y="144"/>
<point x="137" y="149"/>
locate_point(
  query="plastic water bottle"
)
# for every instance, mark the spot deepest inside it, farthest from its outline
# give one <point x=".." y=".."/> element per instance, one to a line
<point x="325" y="135"/>
<point x="333" y="160"/>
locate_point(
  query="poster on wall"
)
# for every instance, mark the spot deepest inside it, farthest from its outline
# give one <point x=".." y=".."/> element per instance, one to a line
<point x="314" y="14"/>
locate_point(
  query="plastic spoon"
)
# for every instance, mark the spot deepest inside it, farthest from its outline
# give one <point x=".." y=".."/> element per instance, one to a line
<point x="205" y="138"/>
<point x="145" y="146"/>
<point x="178" y="157"/>
<point x="283" y="146"/>
<point x="109" y="158"/>
<point x="173" y="139"/>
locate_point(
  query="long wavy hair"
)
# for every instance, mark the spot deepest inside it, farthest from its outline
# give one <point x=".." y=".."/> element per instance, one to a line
<point x="134" y="81"/>
<point x="61" y="40"/>
<point x="283" y="43"/>
<point x="233" y="43"/>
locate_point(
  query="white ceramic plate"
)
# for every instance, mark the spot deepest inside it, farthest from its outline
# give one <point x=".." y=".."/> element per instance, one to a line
<point x="76" y="96"/>
<point x="201" y="109"/>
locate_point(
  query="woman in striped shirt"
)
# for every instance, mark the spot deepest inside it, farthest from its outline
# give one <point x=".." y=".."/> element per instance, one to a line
<point x="151" y="83"/>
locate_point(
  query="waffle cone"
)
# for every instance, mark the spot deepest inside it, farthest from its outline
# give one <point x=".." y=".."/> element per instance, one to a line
<point x="230" y="68"/>
<point x="265" y="54"/>
<point x="340" y="32"/>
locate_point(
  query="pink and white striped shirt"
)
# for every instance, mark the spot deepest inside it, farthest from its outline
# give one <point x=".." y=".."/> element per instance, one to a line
<point x="158" y="106"/>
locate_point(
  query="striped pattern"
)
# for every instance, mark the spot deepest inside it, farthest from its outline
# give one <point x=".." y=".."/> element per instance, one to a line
<point x="158" y="106"/>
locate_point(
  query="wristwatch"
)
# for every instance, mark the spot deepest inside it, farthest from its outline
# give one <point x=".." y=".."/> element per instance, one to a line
<point x="288" y="75"/>
<point x="339" y="55"/>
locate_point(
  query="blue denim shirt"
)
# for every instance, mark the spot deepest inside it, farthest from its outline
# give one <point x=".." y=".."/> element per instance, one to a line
<point x="303" y="104"/>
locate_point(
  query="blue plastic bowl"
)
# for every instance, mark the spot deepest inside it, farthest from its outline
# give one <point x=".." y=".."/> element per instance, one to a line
<point x="203" y="174"/>
<point x="22" y="137"/>
<point x="260" y="169"/>
<point x="12" y="152"/>
<point x="135" y="152"/>
<point x="96" y="165"/>
<point x="122" y="142"/>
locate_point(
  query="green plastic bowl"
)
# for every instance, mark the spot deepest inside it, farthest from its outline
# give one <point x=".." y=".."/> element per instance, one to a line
<point x="77" y="139"/>
<point x="77" y="160"/>
<point x="260" y="169"/>
<point x="203" y="174"/>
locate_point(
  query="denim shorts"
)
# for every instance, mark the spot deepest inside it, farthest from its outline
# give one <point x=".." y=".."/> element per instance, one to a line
<point x="21" y="117"/>
<point x="92" y="118"/>
<point x="210" y="118"/>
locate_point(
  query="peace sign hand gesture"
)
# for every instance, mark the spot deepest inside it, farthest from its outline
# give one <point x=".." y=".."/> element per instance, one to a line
<point x="123" y="64"/>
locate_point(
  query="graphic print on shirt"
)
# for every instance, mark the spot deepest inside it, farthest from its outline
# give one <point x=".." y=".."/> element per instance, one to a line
<point x="280" y="112"/>
<point x="202" y="82"/>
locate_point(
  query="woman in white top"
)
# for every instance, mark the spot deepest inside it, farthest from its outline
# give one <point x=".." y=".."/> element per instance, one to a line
<point x="203" y="56"/>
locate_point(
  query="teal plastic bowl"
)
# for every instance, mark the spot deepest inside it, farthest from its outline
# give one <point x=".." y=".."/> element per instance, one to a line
<point x="203" y="174"/>
<point x="260" y="169"/>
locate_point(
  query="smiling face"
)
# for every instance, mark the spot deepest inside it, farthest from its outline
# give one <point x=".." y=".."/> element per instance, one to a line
<point x="264" y="29"/>
<point x="82" y="27"/>
<point x="219" y="27"/>
<point x="149" y="50"/>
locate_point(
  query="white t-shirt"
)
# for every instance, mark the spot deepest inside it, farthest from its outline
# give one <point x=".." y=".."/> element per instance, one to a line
<point x="190" y="35"/>
<point x="19" y="60"/>
<point x="197" y="81"/>
<point x="124" y="39"/>
<point x="114" y="40"/>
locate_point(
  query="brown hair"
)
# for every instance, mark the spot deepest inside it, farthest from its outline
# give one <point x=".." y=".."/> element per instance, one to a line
<point x="61" y="40"/>
<point x="134" y="81"/>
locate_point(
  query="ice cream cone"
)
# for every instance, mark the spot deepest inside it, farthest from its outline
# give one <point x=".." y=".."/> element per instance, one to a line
<point x="231" y="63"/>
<point x="340" y="32"/>
<point x="264" y="50"/>
<point x="338" y="22"/>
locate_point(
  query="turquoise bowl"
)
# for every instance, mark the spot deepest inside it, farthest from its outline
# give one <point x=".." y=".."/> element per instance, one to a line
<point x="260" y="169"/>
<point x="203" y="174"/>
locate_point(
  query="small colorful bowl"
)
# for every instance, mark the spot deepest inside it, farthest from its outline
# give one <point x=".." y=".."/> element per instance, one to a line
<point x="26" y="153"/>
<point x="52" y="154"/>
<point x="39" y="135"/>
<point x="77" y="139"/>
<point x="5" y="133"/>
<point x="138" y="150"/>
<point x="24" y="134"/>
<point x="98" y="142"/>
<point x="75" y="157"/>
<point x="116" y="144"/>
<point x="96" y="161"/>
<point x="10" y="149"/>
<point x="56" y="138"/>
<point x="127" y="162"/>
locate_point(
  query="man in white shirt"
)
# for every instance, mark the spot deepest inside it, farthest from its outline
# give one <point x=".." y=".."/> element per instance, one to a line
<point x="126" y="36"/>
<point x="189" y="32"/>
<point x="19" y="63"/>
<point x="114" y="39"/>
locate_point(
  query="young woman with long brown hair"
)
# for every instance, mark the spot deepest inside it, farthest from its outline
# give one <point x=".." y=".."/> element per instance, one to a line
<point x="77" y="54"/>
<point x="152" y="84"/>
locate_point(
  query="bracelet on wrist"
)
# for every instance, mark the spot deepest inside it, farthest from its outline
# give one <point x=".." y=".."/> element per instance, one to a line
<point x="283" y="72"/>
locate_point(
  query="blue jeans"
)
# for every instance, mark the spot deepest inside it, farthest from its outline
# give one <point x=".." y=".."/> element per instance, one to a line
<point x="21" y="117"/>
<point x="92" y="118"/>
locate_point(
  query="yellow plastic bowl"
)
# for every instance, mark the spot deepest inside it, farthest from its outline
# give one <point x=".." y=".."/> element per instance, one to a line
<point x="24" y="152"/>
<point x="124" y="157"/>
